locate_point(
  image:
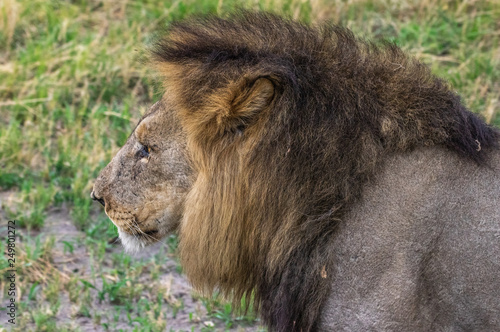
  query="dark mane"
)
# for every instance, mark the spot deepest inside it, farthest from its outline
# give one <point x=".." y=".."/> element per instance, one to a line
<point x="381" y="85"/>
<point x="341" y="105"/>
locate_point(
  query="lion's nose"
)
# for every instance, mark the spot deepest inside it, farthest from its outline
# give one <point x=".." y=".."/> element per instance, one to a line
<point x="95" y="198"/>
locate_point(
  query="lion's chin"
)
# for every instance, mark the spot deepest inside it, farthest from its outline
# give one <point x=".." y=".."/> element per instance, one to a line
<point x="132" y="243"/>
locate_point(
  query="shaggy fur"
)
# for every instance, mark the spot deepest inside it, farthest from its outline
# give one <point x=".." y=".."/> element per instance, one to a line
<point x="286" y="124"/>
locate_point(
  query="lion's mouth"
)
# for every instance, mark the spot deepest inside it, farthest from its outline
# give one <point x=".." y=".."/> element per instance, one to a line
<point x="138" y="232"/>
<point x="150" y="233"/>
<point x="127" y="222"/>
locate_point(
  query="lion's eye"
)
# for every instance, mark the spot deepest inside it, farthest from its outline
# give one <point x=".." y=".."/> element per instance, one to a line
<point x="143" y="152"/>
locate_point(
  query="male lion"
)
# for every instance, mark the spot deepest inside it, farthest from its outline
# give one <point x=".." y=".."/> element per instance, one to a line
<point x="339" y="182"/>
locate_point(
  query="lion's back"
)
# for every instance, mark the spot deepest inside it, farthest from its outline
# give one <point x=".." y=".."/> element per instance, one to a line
<point x="421" y="249"/>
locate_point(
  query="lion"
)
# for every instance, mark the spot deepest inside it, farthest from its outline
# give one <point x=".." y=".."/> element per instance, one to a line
<point x="336" y="183"/>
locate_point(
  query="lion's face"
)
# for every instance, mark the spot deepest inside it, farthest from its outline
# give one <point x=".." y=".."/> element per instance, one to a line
<point x="144" y="186"/>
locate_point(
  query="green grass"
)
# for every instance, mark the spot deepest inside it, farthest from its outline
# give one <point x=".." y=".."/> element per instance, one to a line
<point x="73" y="85"/>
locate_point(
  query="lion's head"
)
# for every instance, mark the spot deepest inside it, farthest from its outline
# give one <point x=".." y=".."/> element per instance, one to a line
<point x="144" y="186"/>
<point x="284" y="126"/>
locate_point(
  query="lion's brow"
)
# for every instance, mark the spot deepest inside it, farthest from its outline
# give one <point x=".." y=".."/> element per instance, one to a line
<point x="152" y="110"/>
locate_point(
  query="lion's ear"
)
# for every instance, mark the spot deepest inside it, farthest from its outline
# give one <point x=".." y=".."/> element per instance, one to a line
<point x="252" y="97"/>
<point x="244" y="101"/>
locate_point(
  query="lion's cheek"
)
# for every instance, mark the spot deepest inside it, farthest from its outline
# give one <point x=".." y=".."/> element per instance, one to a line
<point x="161" y="212"/>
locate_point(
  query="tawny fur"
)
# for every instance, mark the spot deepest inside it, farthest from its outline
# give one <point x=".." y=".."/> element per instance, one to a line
<point x="144" y="186"/>
<point x="285" y="124"/>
